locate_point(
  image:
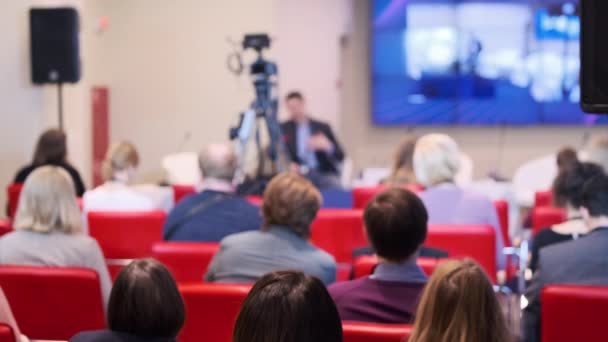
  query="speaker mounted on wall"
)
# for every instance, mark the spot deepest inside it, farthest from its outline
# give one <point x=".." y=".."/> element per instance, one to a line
<point x="55" y="56"/>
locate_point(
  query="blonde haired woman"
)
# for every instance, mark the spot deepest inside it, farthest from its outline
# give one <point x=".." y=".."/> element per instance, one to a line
<point x="48" y="228"/>
<point x="118" y="192"/>
<point x="459" y="304"/>
<point x="436" y="164"/>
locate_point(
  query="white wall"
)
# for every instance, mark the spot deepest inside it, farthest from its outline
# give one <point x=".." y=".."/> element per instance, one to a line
<point x="165" y="64"/>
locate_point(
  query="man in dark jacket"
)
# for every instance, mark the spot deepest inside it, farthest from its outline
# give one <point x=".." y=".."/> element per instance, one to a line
<point x="311" y="144"/>
<point x="583" y="261"/>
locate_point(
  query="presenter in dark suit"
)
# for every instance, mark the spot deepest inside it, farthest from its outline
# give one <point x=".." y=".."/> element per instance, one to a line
<point x="582" y="262"/>
<point x="311" y="144"/>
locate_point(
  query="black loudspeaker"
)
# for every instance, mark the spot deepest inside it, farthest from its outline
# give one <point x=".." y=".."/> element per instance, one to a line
<point x="594" y="56"/>
<point x="54" y="45"/>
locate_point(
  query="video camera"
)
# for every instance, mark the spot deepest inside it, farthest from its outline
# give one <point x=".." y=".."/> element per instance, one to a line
<point x="264" y="106"/>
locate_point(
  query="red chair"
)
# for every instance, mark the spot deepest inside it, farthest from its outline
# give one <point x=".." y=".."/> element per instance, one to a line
<point x="339" y="232"/>
<point x="53" y="303"/>
<point x="543" y="217"/>
<point x="181" y="191"/>
<point x="211" y="310"/>
<point x="6" y="333"/>
<point x="374" y="332"/>
<point x="502" y="210"/>
<point x="187" y="261"/>
<point x="460" y="241"/>
<point x="364" y="265"/>
<point x="123" y="236"/>
<point x="543" y="199"/>
<point x="13" y="192"/>
<point x="362" y="196"/>
<point x="5" y="227"/>
<point x="574" y="313"/>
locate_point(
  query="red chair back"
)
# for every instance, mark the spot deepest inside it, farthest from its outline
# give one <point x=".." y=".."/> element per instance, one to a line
<point x="362" y="195"/>
<point x="364" y="265"/>
<point x="543" y="199"/>
<point x="374" y="332"/>
<point x="126" y="235"/>
<point x="502" y="210"/>
<point x="52" y="303"/>
<point x="6" y="333"/>
<point x="181" y="191"/>
<point x="211" y="310"/>
<point x="339" y="232"/>
<point x="13" y="192"/>
<point x="543" y="217"/>
<point x="187" y="261"/>
<point x="460" y="241"/>
<point x="574" y="313"/>
<point x="5" y="227"/>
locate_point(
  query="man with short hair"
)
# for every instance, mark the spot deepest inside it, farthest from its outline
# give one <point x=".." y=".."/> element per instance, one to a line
<point x="215" y="212"/>
<point x="290" y="205"/>
<point x="583" y="261"/>
<point x="396" y="225"/>
<point x="312" y="146"/>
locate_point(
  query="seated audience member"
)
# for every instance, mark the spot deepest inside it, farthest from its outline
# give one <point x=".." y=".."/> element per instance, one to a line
<point x="436" y="162"/>
<point x="459" y="304"/>
<point x="6" y="317"/>
<point x="217" y="211"/>
<point x="288" y="306"/>
<point x="566" y="158"/>
<point x="582" y="261"/>
<point x="48" y="228"/>
<point x="402" y="172"/>
<point x="290" y="205"/>
<point x="51" y="149"/>
<point x="145" y="305"/>
<point x="567" y="193"/>
<point x="118" y="192"/>
<point x="311" y="144"/>
<point x="396" y="224"/>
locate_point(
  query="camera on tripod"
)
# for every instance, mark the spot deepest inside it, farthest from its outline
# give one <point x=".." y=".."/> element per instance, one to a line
<point x="263" y="110"/>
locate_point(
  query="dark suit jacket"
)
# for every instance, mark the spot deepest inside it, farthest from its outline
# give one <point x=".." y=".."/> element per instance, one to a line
<point x="328" y="163"/>
<point x="114" y="336"/>
<point x="580" y="262"/>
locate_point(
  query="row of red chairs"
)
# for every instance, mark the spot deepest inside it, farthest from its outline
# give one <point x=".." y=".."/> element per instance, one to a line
<point x="337" y="231"/>
<point x="56" y="303"/>
<point x="361" y="196"/>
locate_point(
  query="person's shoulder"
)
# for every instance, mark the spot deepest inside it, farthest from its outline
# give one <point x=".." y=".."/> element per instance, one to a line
<point x="81" y="241"/>
<point x="323" y="257"/>
<point x="104" y="336"/>
<point x="562" y="253"/>
<point x="23" y="172"/>
<point x="94" y="336"/>
<point x="319" y="123"/>
<point x="343" y="289"/>
<point x="243" y="238"/>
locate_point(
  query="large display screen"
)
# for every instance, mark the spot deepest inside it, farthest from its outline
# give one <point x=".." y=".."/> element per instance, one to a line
<point x="492" y="62"/>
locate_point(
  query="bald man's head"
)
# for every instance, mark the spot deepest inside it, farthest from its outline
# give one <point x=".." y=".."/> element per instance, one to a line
<point x="218" y="161"/>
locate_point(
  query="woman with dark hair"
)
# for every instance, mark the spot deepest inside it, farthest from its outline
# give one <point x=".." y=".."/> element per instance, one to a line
<point x="567" y="193"/>
<point x="145" y="305"/>
<point x="459" y="304"/>
<point x="51" y="149"/>
<point x="288" y="306"/>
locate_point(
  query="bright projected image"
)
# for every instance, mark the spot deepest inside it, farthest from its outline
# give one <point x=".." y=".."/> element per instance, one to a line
<point x="500" y="62"/>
